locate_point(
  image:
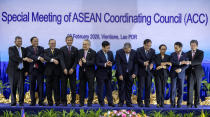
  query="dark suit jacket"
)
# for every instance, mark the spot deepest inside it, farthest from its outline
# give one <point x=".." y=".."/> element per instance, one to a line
<point x="157" y="61"/>
<point x="196" y="63"/>
<point x="141" y="58"/>
<point x="176" y="65"/>
<point x="15" y="60"/>
<point x="122" y="65"/>
<point x="102" y="71"/>
<point x="90" y="60"/>
<point x="50" y="67"/>
<point x="69" y="60"/>
<point x="31" y="54"/>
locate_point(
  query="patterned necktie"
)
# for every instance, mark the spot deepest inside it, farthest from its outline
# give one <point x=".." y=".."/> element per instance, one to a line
<point x="85" y="54"/>
<point x="20" y="66"/>
<point x="69" y="49"/>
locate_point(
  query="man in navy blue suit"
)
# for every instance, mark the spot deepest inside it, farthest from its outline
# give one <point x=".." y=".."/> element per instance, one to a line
<point x="145" y="56"/>
<point x="36" y="70"/>
<point x="126" y="72"/>
<point x="104" y="62"/>
<point x="177" y="73"/>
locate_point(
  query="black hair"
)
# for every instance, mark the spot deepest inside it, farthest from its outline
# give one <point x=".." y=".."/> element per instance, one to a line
<point x="17" y="37"/>
<point x="194" y="41"/>
<point x="32" y="38"/>
<point x="178" y="44"/>
<point x="162" y="45"/>
<point x="147" y="41"/>
<point x="51" y="40"/>
<point x="69" y="36"/>
<point x="105" y="43"/>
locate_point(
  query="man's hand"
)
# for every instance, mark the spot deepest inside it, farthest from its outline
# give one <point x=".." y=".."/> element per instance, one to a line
<point x="121" y="77"/>
<point x="109" y="63"/>
<point x="65" y="71"/>
<point x="71" y="71"/>
<point x="83" y="60"/>
<point x="80" y="63"/>
<point x="134" y="76"/>
<point x="56" y="61"/>
<point x="26" y="73"/>
<point x="25" y="59"/>
<point x="41" y="59"/>
<point x="178" y="70"/>
<point x="159" y="67"/>
<point x="29" y="60"/>
<point x="146" y="63"/>
<point x="151" y="66"/>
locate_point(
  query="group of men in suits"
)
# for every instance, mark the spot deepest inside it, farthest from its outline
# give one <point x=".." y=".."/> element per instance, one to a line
<point x="59" y="67"/>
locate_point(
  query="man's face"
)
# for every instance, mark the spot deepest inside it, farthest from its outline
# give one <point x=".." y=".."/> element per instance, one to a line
<point x="86" y="45"/>
<point x="69" y="41"/>
<point x="177" y="49"/>
<point x="127" y="50"/>
<point x="106" y="48"/>
<point x="52" y="44"/>
<point x="193" y="46"/>
<point x="18" y="42"/>
<point x="163" y="49"/>
<point x="147" y="46"/>
<point x="35" y="42"/>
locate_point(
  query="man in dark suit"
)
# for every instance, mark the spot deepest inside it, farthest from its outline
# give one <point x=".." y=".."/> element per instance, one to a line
<point x="194" y="74"/>
<point x="17" y="70"/>
<point x="36" y="70"/>
<point x="126" y="72"/>
<point x="69" y="64"/>
<point x="145" y="56"/>
<point x="86" y="58"/>
<point x="177" y="73"/>
<point x="52" y="56"/>
<point x="104" y="62"/>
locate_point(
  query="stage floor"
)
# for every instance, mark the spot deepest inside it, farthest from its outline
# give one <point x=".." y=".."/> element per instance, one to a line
<point x="152" y="108"/>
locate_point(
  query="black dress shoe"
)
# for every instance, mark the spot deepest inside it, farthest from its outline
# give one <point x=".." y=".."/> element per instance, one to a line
<point x="112" y="105"/>
<point x="81" y="105"/>
<point x="178" y="105"/>
<point x="189" y="106"/>
<point x="50" y="104"/>
<point x="13" y="104"/>
<point x="57" y="104"/>
<point x="89" y="105"/>
<point x="196" y="106"/>
<point x="129" y="105"/>
<point x="32" y="104"/>
<point x="120" y="105"/>
<point x="140" y="105"/>
<point x="21" y="104"/>
<point x="73" y="104"/>
<point x="41" y="104"/>
<point x="147" y="105"/>
<point x="172" y="105"/>
<point x="162" y="105"/>
<point x="102" y="105"/>
<point x="64" y="104"/>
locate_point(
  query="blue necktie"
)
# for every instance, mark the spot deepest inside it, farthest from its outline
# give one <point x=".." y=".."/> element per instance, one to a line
<point x="20" y="66"/>
<point x="106" y="56"/>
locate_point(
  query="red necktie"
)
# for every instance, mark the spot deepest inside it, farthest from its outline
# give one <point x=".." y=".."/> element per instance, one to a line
<point x="85" y="54"/>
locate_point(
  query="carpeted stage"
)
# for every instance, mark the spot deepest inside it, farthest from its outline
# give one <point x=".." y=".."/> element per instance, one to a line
<point x="152" y="108"/>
